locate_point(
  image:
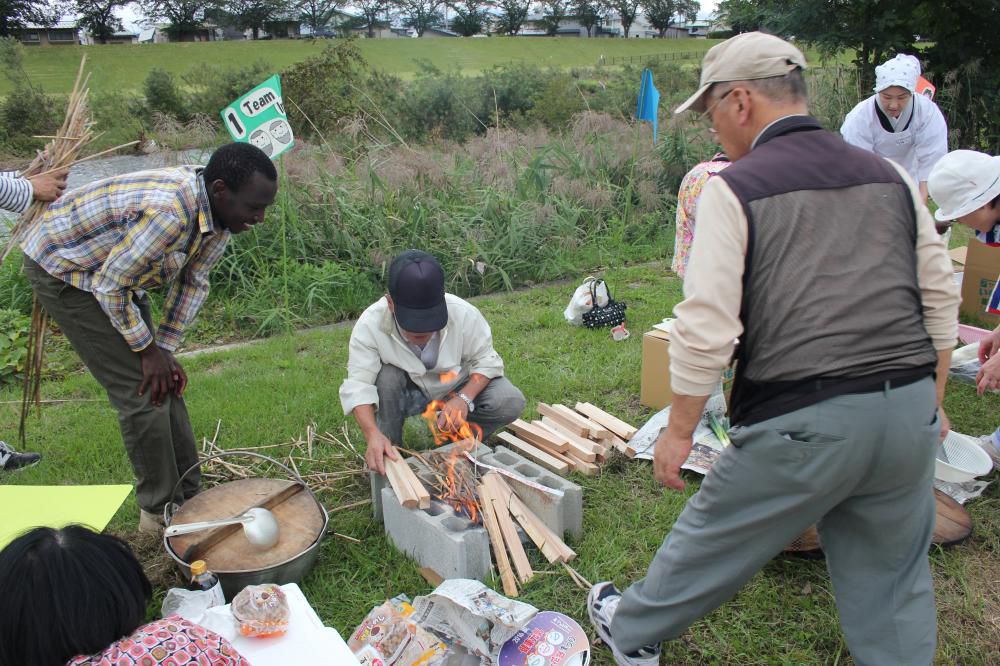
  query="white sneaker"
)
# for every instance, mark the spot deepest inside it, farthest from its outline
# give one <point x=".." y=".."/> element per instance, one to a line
<point x="602" y="602"/>
<point x="986" y="443"/>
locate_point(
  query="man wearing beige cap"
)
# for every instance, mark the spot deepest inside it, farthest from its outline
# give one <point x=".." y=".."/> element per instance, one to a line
<point x="821" y="259"/>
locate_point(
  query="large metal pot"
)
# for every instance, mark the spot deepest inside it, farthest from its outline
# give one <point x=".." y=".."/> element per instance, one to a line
<point x="288" y="570"/>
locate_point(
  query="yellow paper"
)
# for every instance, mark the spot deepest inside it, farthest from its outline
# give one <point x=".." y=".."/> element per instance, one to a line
<point x="25" y="507"/>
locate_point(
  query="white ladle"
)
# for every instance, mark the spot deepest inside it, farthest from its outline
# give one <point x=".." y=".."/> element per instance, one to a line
<point x="259" y="526"/>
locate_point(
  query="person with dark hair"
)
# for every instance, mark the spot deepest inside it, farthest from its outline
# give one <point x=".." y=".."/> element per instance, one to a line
<point x="416" y="345"/>
<point x="76" y="597"/>
<point x="92" y="258"/>
<point x="845" y="341"/>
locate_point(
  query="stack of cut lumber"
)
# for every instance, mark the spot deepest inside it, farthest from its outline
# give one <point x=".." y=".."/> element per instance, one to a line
<point x="501" y="508"/>
<point x="568" y="440"/>
<point x="410" y="492"/>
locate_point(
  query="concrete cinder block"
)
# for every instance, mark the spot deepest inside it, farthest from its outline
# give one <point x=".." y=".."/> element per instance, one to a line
<point x="450" y="544"/>
<point x="563" y="515"/>
<point x="437" y="538"/>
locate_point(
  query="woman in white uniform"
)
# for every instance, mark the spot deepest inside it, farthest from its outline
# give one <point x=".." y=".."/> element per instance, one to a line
<point x="899" y="124"/>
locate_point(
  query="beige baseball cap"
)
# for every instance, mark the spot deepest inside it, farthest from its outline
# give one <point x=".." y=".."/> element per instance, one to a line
<point x="963" y="181"/>
<point x="752" y="55"/>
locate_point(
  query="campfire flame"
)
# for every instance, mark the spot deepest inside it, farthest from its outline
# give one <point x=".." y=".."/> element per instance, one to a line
<point x="466" y="436"/>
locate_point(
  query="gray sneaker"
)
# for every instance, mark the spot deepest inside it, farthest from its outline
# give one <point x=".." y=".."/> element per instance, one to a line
<point x="602" y="602"/>
<point x="11" y="459"/>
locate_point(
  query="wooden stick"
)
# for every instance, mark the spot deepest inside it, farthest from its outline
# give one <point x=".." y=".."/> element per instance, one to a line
<point x="400" y="484"/>
<point x="553" y="548"/>
<point x="535" y="435"/>
<point x="423" y="497"/>
<point x="612" y="423"/>
<point x="539" y="456"/>
<point x="574" y="449"/>
<point x="573" y="426"/>
<point x="582" y="441"/>
<point x="432" y="577"/>
<point x="596" y="431"/>
<point x="509" y="532"/>
<point x="623" y="446"/>
<point x="499" y="552"/>
<point x="585" y="467"/>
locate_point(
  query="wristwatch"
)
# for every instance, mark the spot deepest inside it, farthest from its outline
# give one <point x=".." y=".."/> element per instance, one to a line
<point x="468" y="401"/>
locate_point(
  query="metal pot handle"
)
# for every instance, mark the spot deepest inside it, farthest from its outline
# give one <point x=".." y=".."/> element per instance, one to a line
<point x="171" y="507"/>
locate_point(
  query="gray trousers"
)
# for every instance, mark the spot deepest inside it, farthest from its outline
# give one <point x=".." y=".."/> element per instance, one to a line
<point x="159" y="440"/>
<point x="399" y="398"/>
<point x="861" y="466"/>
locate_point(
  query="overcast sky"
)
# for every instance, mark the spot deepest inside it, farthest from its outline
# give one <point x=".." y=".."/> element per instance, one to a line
<point x="134" y="20"/>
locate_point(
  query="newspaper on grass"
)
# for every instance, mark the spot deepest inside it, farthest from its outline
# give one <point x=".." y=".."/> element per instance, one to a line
<point x="962" y="492"/>
<point x="467" y="613"/>
<point x="706" y="449"/>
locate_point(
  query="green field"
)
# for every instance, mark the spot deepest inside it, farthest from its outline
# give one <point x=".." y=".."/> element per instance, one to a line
<point x="123" y="67"/>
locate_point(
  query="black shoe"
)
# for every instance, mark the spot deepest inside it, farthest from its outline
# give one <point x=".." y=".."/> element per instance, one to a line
<point x="11" y="459"/>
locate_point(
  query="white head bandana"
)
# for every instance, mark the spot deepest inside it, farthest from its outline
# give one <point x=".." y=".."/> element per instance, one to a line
<point x="901" y="71"/>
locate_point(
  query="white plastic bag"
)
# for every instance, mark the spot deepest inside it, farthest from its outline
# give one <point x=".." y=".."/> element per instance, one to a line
<point x="583" y="301"/>
<point x="190" y="605"/>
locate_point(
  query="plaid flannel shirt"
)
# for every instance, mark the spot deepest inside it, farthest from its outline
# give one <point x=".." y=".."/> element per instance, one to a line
<point x="126" y="234"/>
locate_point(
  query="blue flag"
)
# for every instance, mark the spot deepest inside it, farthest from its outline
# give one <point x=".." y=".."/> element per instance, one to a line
<point x="649" y="100"/>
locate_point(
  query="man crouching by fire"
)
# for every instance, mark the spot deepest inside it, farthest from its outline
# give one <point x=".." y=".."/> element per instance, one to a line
<point x="418" y="349"/>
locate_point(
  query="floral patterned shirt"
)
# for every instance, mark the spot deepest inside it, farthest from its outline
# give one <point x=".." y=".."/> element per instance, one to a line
<point x="687" y="200"/>
<point x="172" y="641"/>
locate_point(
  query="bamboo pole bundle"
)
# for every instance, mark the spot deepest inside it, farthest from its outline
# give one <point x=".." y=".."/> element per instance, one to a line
<point x="60" y="154"/>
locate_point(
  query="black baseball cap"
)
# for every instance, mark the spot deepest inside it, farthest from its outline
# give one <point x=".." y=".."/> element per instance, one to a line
<point x="416" y="285"/>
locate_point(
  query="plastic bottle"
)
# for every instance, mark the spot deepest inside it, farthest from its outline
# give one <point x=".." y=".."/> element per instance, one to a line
<point x="203" y="580"/>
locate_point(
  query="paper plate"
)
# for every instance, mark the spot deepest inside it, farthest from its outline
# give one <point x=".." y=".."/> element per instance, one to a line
<point x="550" y="639"/>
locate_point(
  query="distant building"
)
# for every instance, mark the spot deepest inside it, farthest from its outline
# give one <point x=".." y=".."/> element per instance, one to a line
<point x="160" y="34"/>
<point x="65" y="33"/>
<point x="124" y="37"/>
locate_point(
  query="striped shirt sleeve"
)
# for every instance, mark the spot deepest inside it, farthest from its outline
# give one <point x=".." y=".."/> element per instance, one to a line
<point x="127" y="264"/>
<point x="15" y="192"/>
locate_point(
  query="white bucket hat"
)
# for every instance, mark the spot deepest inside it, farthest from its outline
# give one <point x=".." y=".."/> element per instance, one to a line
<point x="963" y="181"/>
<point x="902" y="71"/>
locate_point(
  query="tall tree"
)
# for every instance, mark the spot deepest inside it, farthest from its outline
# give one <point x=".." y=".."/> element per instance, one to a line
<point x="512" y="15"/>
<point x="626" y="10"/>
<point x="743" y="15"/>
<point x="98" y="17"/>
<point x="317" y="13"/>
<point x="17" y="14"/>
<point x="184" y="16"/>
<point x="470" y="17"/>
<point x="554" y="12"/>
<point x="252" y="15"/>
<point x="589" y="13"/>
<point x="662" y="14"/>
<point x="374" y="13"/>
<point x="420" y="14"/>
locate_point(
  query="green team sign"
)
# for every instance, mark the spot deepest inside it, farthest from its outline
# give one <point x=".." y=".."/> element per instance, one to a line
<point x="258" y="117"/>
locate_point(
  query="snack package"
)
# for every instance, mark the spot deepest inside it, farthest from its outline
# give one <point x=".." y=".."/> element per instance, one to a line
<point x="261" y="611"/>
<point x="387" y="636"/>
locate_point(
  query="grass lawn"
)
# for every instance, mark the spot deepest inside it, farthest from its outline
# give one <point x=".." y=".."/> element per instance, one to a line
<point x="123" y="67"/>
<point x="267" y="393"/>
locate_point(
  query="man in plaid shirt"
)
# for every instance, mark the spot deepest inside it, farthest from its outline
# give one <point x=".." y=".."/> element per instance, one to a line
<point x="92" y="258"/>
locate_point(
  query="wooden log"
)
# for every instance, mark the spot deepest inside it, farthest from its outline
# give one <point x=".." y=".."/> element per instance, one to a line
<point x="509" y="532"/>
<point x="578" y="447"/>
<point x="499" y="552"/>
<point x="612" y="423"/>
<point x="595" y="430"/>
<point x="553" y="548"/>
<point x="551" y="413"/>
<point x="535" y="435"/>
<point x="541" y="457"/>
<point x="400" y="483"/>
<point x="623" y="446"/>
<point x="419" y="491"/>
<point x="584" y="467"/>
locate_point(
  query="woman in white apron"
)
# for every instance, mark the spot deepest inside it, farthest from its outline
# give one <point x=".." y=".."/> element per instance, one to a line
<point x="899" y="124"/>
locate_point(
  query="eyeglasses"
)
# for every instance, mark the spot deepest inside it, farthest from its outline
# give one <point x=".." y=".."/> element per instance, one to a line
<point x="706" y="117"/>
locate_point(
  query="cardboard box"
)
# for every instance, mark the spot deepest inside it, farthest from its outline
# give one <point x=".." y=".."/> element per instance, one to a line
<point x="654" y="388"/>
<point x="982" y="266"/>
